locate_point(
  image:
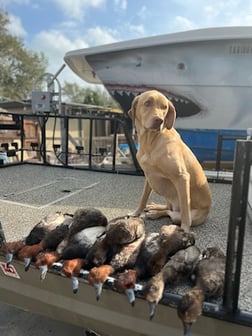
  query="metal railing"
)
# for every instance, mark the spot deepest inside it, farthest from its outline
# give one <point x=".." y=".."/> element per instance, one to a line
<point x="237" y="224"/>
<point x="120" y="124"/>
<point x="61" y="150"/>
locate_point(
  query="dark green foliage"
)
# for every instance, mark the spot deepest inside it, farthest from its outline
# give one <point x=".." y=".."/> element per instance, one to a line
<point x="19" y="67"/>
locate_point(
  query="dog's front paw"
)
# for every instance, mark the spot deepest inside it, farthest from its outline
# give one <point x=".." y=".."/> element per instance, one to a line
<point x="152" y="214"/>
<point x="154" y="206"/>
<point x="151" y="206"/>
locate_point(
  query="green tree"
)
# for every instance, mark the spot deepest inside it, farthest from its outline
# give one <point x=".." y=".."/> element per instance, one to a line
<point x="74" y="93"/>
<point x="19" y="67"/>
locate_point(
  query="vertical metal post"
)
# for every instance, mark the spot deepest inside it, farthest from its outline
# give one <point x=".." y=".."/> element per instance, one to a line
<point x="90" y="143"/>
<point x="219" y="150"/>
<point x="66" y="122"/>
<point x="22" y="135"/>
<point x="114" y="143"/>
<point x="64" y="136"/>
<point x="43" y="120"/>
<point x="237" y="221"/>
<point x="79" y="121"/>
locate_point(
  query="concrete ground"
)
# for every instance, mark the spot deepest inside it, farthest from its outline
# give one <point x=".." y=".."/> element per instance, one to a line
<point x="17" y="322"/>
<point x="29" y="192"/>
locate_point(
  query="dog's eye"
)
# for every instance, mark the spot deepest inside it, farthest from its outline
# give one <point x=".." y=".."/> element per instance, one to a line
<point x="164" y="107"/>
<point x="148" y="103"/>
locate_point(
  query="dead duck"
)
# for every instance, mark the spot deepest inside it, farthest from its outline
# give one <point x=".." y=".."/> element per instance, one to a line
<point x="209" y="277"/>
<point x="11" y="250"/>
<point x="45" y="260"/>
<point x="178" y="268"/>
<point x="181" y="265"/>
<point x="97" y="277"/>
<point x="210" y="272"/>
<point x="172" y="239"/>
<point x="90" y="219"/>
<point x="158" y="247"/>
<point x="190" y="308"/>
<point x="76" y="250"/>
<point x="153" y="292"/>
<point x="87" y="225"/>
<point x="49" y="242"/>
<point x="35" y="236"/>
<point x="45" y="225"/>
<point x="71" y="269"/>
<point x="125" y="282"/>
<point x="118" y="248"/>
<point x="120" y="244"/>
<point x="78" y="243"/>
<point x="126" y="253"/>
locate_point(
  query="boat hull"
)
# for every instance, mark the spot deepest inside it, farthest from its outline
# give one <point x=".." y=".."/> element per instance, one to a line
<point x="205" y="74"/>
<point x="111" y="315"/>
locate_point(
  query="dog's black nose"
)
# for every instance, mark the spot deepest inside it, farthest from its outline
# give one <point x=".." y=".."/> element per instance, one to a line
<point x="156" y="122"/>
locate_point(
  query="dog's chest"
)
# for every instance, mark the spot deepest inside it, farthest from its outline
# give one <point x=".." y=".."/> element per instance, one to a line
<point x="144" y="159"/>
<point x="146" y="162"/>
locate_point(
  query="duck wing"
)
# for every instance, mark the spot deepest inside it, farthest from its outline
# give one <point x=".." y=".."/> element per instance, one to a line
<point x="210" y="272"/>
<point x="181" y="265"/>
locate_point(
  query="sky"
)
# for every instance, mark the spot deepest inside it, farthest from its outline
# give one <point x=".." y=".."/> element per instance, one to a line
<point x="55" y="27"/>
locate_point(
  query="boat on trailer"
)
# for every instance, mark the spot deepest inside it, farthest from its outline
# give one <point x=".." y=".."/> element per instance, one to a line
<point x="204" y="72"/>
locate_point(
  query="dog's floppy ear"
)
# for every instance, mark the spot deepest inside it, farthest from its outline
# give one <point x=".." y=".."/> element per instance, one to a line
<point x="132" y="114"/>
<point x="170" y="116"/>
<point x="132" y="111"/>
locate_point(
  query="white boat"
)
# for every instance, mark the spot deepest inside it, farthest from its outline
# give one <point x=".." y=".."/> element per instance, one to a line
<point x="205" y="72"/>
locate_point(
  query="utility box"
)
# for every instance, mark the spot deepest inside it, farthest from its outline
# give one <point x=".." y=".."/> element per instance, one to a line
<point x="41" y="101"/>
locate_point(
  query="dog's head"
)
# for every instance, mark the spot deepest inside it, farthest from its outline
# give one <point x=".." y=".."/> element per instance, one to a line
<point x="151" y="110"/>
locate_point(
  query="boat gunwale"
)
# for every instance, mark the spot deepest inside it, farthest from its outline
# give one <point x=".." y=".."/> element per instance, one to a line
<point x="197" y="35"/>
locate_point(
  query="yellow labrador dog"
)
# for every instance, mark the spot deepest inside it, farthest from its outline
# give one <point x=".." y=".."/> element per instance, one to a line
<point x="170" y="168"/>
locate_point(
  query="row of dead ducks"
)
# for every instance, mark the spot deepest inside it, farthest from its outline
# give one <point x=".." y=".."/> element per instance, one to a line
<point x="122" y="249"/>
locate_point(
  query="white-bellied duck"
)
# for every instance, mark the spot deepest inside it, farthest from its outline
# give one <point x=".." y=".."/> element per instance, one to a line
<point x="35" y="236"/>
<point x="87" y="225"/>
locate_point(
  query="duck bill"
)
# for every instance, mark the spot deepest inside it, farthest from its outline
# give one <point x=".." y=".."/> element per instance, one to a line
<point x="75" y="284"/>
<point x="152" y="309"/>
<point x="187" y="328"/>
<point x="131" y="295"/>
<point x="98" y="290"/>
<point x="43" y="272"/>
<point x="8" y="258"/>
<point x="27" y="263"/>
